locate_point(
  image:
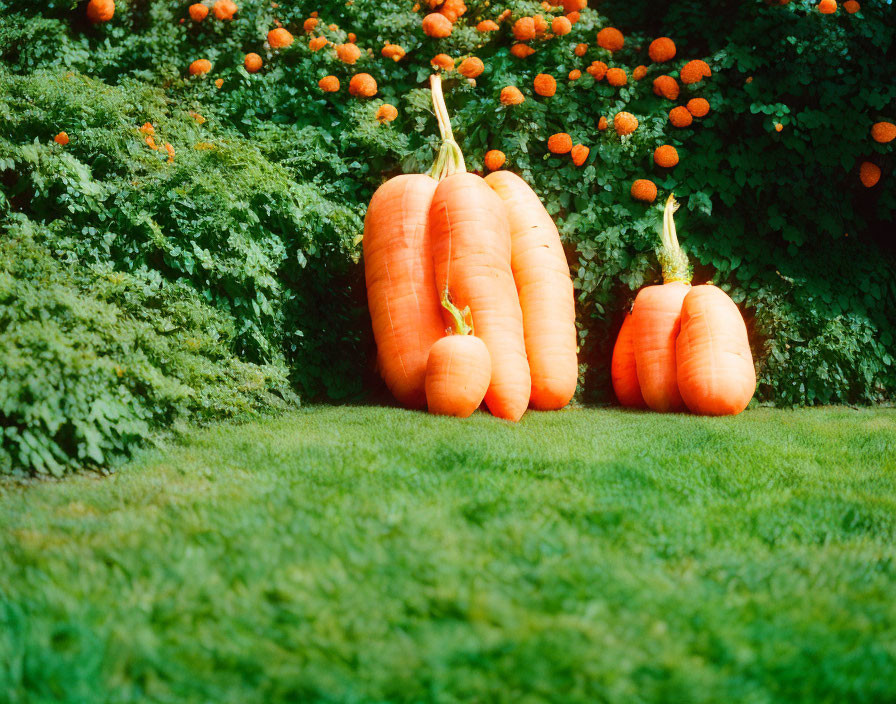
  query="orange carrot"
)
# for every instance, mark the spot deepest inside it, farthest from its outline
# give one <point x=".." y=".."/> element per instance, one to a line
<point x="472" y="256"/>
<point x="623" y="370"/>
<point x="459" y="368"/>
<point x="656" y="321"/>
<point x="545" y="292"/>
<point x="401" y="289"/>
<point x="714" y="364"/>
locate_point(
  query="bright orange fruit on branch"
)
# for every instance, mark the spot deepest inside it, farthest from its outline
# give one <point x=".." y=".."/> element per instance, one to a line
<point x="100" y="10"/>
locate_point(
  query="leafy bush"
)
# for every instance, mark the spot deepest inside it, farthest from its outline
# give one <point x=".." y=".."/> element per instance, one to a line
<point x="259" y="215"/>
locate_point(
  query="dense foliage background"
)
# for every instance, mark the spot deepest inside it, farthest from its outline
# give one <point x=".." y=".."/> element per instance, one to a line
<point x="137" y="290"/>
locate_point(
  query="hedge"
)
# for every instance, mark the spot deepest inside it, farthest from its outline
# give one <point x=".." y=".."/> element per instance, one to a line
<point x="255" y="225"/>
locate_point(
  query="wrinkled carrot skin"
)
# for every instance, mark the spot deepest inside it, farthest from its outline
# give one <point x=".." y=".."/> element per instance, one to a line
<point x="545" y="292"/>
<point x="401" y="290"/>
<point x="458" y="373"/>
<point x="471" y="253"/>
<point x="623" y="369"/>
<point x="715" y="369"/>
<point x="656" y="321"/>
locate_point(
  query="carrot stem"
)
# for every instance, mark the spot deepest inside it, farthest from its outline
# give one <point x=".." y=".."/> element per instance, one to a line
<point x="672" y="259"/>
<point x="454" y="159"/>
<point x="461" y="326"/>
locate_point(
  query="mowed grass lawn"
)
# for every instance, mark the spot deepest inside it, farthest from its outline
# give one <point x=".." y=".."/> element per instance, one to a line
<point x="361" y="554"/>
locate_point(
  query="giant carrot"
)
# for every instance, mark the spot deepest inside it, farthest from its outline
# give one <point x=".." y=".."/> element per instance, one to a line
<point x="656" y="321"/>
<point x="623" y="369"/>
<point x="715" y="366"/>
<point x="401" y="289"/>
<point x="471" y="254"/>
<point x="545" y="292"/>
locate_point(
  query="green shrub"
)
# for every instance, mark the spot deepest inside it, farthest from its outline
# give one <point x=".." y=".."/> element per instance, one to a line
<point x="260" y="214"/>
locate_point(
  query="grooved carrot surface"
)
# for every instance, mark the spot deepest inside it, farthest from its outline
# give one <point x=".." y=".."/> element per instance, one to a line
<point x="715" y="366"/>
<point x="656" y="320"/>
<point x="457" y="375"/>
<point x="545" y="291"/>
<point x="401" y="291"/>
<point x="471" y="252"/>
<point x="623" y="369"/>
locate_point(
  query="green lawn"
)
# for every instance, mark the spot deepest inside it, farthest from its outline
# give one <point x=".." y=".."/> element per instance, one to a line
<point x="376" y="555"/>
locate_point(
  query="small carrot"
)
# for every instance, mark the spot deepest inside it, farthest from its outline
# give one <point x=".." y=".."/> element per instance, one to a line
<point x="458" y="369"/>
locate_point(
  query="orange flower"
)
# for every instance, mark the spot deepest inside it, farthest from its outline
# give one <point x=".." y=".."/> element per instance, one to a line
<point x="279" y="38"/>
<point x="510" y="95"/>
<point x="170" y="150"/>
<point x="329" y="84"/>
<point x="524" y="29"/>
<point x="661" y="50"/>
<point x="639" y="72"/>
<point x="196" y="116"/>
<point x="598" y="69"/>
<point x="573" y="5"/>
<point x="362" y="85"/>
<point x="333" y="27"/>
<point x="869" y="174"/>
<point x="310" y="24"/>
<point x="625" y="123"/>
<point x="504" y="15"/>
<point x="219" y="82"/>
<point x="442" y="61"/>
<point x="317" y="43"/>
<point x="616" y="77"/>
<point x="471" y="67"/>
<point x="453" y="9"/>
<point x="666" y="156"/>
<point x="521" y="51"/>
<point x="575" y="74"/>
<point x="148" y="128"/>
<point x="252" y="62"/>
<point x="386" y="113"/>
<point x="352" y="37"/>
<point x="151" y="142"/>
<point x="602" y="124"/>
<point x="666" y="87"/>
<point x="779" y="127"/>
<point x="393" y="51"/>
<point x="200" y="67"/>
<point x="494" y="159"/>
<point x="698" y="107"/>
<point x="581" y="49"/>
<point x="224" y="9"/>
<point x="487" y="26"/>
<point x="680" y="117"/>
<point x="545" y="85"/>
<point x="827" y="7"/>
<point x="348" y="53"/>
<point x="694" y="71"/>
<point x="560" y="143"/>
<point x="573" y="17"/>
<point x="579" y="154"/>
<point x="541" y="25"/>
<point x="883" y="132"/>
<point x="610" y="39"/>
<point x="198" y="12"/>
<point x="561" y="26"/>
<point x="61" y="138"/>
<point x="436" y="25"/>
<point x="644" y="190"/>
<point x="851" y="6"/>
